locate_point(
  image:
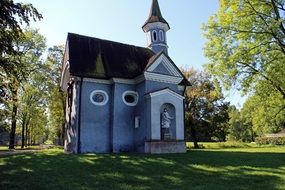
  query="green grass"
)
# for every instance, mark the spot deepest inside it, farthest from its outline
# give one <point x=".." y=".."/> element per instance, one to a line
<point x="229" y="144"/>
<point x="229" y="168"/>
<point x="5" y="148"/>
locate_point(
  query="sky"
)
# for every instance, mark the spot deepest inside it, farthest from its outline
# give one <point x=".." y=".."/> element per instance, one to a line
<point x="121" y="21"/>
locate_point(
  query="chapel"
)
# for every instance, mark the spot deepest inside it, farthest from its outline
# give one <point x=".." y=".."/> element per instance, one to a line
<point x="124" y="98"/>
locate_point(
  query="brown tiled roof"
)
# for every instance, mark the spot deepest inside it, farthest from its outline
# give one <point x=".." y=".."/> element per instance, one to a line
<point x="155" y="14"/>
<point x="97" y="58"/>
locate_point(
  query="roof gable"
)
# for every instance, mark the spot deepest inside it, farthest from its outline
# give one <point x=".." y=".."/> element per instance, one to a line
<point x="162" y="64"/>
<point x="163" y="92"/>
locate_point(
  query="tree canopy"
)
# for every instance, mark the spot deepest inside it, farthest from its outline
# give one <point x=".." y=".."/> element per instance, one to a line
<point x="12" y="15"/>
<point x="246" y="44"/>
<point x="206" y="110"/>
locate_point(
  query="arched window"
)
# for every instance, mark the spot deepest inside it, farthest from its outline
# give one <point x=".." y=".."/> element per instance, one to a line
<point x="154" y="35"/>
<point x="161" y="35"/>
<point x="130" y="98"/>
<point x="99" y="97"/>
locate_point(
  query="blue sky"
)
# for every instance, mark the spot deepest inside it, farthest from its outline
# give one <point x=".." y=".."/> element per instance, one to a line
<point x="121" y="21"/>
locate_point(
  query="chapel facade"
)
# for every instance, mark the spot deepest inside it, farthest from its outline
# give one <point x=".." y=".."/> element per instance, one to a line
<point x="124" y="98"/>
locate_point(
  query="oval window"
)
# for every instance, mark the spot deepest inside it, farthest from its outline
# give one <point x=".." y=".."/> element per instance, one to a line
<point x="154" y="34"/>
<point x="99" y="97"/>
<point x="130" y="98"/>
<point x="161" y="35"/>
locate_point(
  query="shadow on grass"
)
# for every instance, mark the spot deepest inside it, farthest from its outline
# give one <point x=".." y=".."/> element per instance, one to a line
<point x="194" y="170"/>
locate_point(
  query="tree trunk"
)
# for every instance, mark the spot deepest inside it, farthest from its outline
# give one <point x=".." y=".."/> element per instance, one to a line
<point x="62" y="134"/>
<point x="13" y="126"/>
<point x="23" y="132"/>
<point x="27" y="137"/>
<point x="193" y="134"/>
<point x="195" y="140"/>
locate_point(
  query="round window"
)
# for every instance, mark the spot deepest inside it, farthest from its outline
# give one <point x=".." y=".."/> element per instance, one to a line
<point x="130" y="98"/>
<point x="99" y="97"/>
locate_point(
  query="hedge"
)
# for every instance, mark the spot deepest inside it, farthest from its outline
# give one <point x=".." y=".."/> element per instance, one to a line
<point x="270" y="140"/>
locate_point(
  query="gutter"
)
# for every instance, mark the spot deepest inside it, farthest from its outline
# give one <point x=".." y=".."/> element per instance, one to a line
<point x="79" y="117"/>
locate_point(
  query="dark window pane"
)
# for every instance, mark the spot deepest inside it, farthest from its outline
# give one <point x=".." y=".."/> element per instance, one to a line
<point x="130" y="98"/>
<point x="98" y="98"/>
<point x="154" y="36"/>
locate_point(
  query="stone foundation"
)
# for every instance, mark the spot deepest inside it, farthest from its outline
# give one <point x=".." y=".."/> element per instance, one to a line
<point x="162" y="147"/>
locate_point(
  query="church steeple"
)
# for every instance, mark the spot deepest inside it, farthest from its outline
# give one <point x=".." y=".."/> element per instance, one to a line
<point x="156" y="27"/>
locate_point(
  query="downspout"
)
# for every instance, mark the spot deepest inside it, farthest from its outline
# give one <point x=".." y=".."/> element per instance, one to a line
<point x="79" y="117"/>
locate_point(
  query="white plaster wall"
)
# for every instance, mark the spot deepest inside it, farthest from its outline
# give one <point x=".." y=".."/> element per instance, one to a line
<point x="155" y="104"/>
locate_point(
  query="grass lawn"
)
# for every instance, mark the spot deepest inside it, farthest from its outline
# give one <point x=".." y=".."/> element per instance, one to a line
<point x="249" y="167"/>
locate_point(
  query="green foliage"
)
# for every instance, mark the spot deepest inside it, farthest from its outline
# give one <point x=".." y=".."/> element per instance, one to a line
<point x="270" y="140"/>
<point x="29" y="46"/>
<point x="242" y="168"/>
<point x="56" y="98"/>
<point x="264" y="115"/>
<point x="247" y="51"/>
<point x="240" y="129"/>
<point x="246" y="44"/>
<point x="12" y="15"/>
<point x="206" y="111"/>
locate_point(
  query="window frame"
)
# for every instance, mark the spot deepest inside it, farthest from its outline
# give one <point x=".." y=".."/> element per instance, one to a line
<point x="103" y="93"/>
<point x="161" y="35"/>
<point x="154" y="35"/>
<point x="132" y="93"/>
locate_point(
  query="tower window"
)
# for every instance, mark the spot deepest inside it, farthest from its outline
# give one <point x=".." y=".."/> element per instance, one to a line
<point x="161" y="35"/>
<point x="154" y="35"/>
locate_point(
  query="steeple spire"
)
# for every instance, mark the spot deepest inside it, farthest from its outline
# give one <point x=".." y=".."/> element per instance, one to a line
<point x="155" y="14"/>
<point x="156" y="27"/>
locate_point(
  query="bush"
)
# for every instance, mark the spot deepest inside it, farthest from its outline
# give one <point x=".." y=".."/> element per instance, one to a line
<point x="270" y="140"/>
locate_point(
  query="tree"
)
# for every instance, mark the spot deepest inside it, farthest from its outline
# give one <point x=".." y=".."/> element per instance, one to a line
<point x="56" y="99"/>
<point x="246" y="44"/>
<point x="29" y="47"/>
<point x="240" y="127"/>
<point x="206" y="111"/>
<point x="12" y="15"/>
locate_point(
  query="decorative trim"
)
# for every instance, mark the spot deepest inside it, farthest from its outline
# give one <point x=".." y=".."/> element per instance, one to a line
<point x="132" y="93"/>
<point x="162" y="59"/>
<point x="123" y="81"/>
<point x="181" y="87"/>
<point x="159" y="44"/>
<point x="65" y="75"/>
<point x="162" y="78"/>
<point x="100" y="81"/>
<point x="155" y="25"/>
<point x="164" y="91"/>
<point x="145" y="76"/>
<point x="161" y="35"/>
<point x="101" y="92"/>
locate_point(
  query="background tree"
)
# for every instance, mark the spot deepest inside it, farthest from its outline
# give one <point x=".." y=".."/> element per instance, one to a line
<point x="246" y="44"/>
<point x="206" y="111"/>
<point x="12" y="15"/>
<point x="29" y="47"/>
<point x="56" y="98"/>
<point x="240" y="128"/>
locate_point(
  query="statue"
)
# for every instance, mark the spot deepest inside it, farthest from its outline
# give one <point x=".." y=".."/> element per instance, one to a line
<point x="165" y="124"/>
